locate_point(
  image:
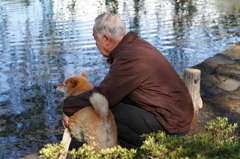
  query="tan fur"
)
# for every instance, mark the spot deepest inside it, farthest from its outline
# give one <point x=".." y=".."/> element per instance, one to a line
<point x="92" y="121"/>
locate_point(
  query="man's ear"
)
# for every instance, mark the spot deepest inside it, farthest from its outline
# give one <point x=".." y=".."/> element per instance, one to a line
<point x="106" y="39"/>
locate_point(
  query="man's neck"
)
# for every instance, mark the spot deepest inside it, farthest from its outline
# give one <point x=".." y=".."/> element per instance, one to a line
<point x="117" y="41"/>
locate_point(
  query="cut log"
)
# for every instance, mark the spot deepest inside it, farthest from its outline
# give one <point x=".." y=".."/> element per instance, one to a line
<point x="192" y="79"/>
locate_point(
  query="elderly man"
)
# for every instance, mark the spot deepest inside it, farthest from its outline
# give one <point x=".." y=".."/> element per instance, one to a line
<point x="144" y="91"/>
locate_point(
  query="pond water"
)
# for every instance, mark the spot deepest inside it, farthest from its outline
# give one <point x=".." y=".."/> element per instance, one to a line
<point x="42" y="42"/>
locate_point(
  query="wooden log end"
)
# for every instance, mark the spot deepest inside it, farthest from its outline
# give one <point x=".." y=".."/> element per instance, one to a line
<point x="200" y="103"/>
<point x="193" y="70"/>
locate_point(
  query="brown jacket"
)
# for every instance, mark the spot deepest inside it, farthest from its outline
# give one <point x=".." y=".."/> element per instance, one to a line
<point x="141" y="76"/>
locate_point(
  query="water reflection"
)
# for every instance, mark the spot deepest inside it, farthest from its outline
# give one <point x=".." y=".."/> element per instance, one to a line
<point x="42" y="42"/>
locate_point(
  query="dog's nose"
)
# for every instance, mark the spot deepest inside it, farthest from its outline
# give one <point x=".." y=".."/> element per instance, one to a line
<point x="55" y="86"/>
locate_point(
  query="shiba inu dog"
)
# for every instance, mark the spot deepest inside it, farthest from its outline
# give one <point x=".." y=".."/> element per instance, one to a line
<point x="95" y="121"/>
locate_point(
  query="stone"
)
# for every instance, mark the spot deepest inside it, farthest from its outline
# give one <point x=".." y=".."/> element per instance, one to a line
<point x="219" y="59"/>
<point x="238" y="110"/>
<point x="229" y="85"/>
<point x="33" y="156"/>
<point x="233" y="52"/>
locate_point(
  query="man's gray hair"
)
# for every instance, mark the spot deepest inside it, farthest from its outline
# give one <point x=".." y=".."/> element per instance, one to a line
<point x="110" y="24"/>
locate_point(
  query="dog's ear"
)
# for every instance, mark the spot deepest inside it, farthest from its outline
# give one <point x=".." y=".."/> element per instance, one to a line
<point x="73" y="82"/>
<point x="84" y="74"/>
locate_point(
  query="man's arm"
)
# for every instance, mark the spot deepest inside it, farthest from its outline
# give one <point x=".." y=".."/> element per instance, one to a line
<point x="74" y="103"/>
<point x="121" y="80"/>
<point x="65" y="119"/>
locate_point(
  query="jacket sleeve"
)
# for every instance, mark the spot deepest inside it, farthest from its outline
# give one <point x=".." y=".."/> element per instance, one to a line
<point x="121" y="80"/>
<point x="74" y="103"/>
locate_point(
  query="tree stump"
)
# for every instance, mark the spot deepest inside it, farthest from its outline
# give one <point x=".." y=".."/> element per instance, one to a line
<point x="192" y="79"/>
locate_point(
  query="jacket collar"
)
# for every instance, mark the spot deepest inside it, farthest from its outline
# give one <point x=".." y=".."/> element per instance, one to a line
<point x="129" y="37"/>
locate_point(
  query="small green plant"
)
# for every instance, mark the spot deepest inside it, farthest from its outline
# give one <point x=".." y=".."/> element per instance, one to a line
<point x="219" y="141"/>
<point x="153" y="145"/>
<point x="117" y="152"/>
<point x="52" y="151"/>
<point x="84" y="152"/>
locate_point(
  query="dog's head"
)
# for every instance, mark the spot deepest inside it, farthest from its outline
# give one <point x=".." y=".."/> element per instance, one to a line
<point x="75" y="85"/>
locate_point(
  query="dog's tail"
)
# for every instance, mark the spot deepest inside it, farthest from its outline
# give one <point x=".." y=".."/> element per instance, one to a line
<point x="100" y="105"/>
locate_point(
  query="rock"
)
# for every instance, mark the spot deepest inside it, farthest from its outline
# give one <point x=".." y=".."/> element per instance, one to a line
<point x="229" y="85"/>
<point x="33" y="156"/>
<point x="233" y="52"/>
<point x="219" y="59"/>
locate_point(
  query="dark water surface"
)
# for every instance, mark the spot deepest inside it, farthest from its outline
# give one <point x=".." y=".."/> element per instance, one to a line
<point x="42" y="42"/>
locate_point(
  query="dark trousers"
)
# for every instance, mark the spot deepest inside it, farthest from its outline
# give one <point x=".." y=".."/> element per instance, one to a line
<point x="132" y="122"/>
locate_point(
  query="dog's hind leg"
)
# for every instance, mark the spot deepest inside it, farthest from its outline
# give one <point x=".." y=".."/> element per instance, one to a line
<point x="66" y="140"/>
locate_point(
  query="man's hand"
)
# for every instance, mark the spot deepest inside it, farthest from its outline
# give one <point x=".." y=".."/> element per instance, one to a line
<point x="65" y="119"/>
